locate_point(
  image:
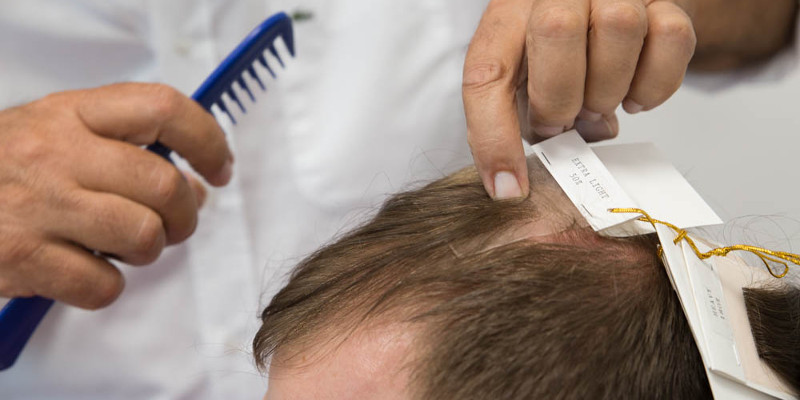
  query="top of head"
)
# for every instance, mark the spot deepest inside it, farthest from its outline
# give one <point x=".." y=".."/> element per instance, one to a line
<point x="484" y="299"/>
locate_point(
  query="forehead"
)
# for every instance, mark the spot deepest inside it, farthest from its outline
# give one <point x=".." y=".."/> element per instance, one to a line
<point x="373" y="362"/>
<point x="369" y="363"/>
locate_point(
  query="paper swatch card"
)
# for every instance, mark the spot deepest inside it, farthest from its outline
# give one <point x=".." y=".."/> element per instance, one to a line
<point x="650" y="179"/>
<point x="710" y="291"/>
<point x="584" y="179"/>
<point x="622" y="176"/>
<point x="713" y="315"/>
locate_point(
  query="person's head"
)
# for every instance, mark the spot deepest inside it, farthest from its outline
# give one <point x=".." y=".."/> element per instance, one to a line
<point x="446" y="294"/>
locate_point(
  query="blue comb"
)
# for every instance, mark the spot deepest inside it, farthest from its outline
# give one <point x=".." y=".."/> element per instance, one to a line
<point x="232" y="69"/>
<point x="20" y="317"/>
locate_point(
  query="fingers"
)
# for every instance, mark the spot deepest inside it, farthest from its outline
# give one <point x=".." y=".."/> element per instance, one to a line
<point x="85" y="280"/>
<point x="616" y="36"/>
<point x="491" y="75"/>
<point x="606" y="127"/>
<point x="145" y="113"/>
<point x="200" y="192"/>
<point x="583" y="59"/>
<point x="71" y="186"/>
<point x="556" y="43"/>
<point x="636" y="55"/>
<point x="59" y="271"/>
<point x="145" y="180"/>
<point x="669" y="47"/>
<point x="118" y="227"/>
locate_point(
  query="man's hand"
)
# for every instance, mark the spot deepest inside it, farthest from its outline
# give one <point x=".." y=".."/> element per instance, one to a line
<point x="74" y="183"/>
<point x="559" y="64"/>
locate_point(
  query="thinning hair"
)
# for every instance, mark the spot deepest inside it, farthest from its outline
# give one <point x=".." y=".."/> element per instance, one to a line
<point x="569" y="315"/>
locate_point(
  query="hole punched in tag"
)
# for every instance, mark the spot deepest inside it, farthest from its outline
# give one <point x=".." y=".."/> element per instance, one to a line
<point x="767" y="256"/>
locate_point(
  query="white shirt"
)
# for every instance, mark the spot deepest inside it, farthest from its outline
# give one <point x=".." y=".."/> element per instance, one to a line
<point x="371" y="103"/>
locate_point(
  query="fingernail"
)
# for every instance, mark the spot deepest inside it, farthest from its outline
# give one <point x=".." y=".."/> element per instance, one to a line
<point x="506" y="186"/>
<point x="593" y="131"/>
<point x="631" y="107"/>
<point x="589" y="115"/>
<point x="547" y="131"/>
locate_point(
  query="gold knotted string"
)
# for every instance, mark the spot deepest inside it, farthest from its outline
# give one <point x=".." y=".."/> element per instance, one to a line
<point x="766" y="255"/>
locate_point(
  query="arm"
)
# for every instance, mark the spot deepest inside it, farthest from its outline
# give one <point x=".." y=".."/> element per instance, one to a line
<point x="732" y="33"/>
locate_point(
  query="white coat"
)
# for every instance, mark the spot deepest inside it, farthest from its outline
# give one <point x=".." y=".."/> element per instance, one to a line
<point x="371" y="102"/>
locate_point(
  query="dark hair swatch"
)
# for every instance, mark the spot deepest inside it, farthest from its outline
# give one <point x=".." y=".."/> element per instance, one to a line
<point x="774" y="314"/>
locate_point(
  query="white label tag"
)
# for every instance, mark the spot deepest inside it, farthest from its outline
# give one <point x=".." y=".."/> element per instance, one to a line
<point x="584" y="179"/>
<point x="700" y="292"/>
<point x="622" y="176"/>
<point x="713" y="315"/>
<point x="650" y="179"/>
<point x="708" y="294"/>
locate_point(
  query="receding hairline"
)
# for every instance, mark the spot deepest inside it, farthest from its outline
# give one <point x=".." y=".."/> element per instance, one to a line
<point x="359" y="310"/>
<point x="546" y="200"/>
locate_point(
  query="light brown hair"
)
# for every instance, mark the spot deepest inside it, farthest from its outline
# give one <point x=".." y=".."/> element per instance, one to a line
<point x="503" y="315"/>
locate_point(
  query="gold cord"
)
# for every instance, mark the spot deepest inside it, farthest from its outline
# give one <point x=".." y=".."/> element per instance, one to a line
<point x="765" y="255"/>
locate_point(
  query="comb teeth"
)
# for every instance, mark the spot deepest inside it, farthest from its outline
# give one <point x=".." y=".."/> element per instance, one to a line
<point x="263" y="61"/>
<point x="244" y="81"/>
<point x="235" y="98"/>
<point x="220" y="88"/>
<point x="224" y="108"/>
<point x="255" y="76"/>
<point x="276" y="55"/>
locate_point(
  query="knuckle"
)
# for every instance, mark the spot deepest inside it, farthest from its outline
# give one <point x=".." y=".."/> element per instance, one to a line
<point x="34" y="134"/>
<point x="485" y="143"/>
<point x="558" y="23"/>
<point x="106" y="292"/>
<point x="169" y="186"/>
<point x="17" y="250"/>
<point x="20" y="200"/>
<point x="676" y="28"/>
<point x="29" y="150"/>
<point x="51" y="100"/>
<point x="165" y="101"/>
<point x="149" y="240"/>
<point x="621" y="17"/>
<point x="485" y="74"/>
